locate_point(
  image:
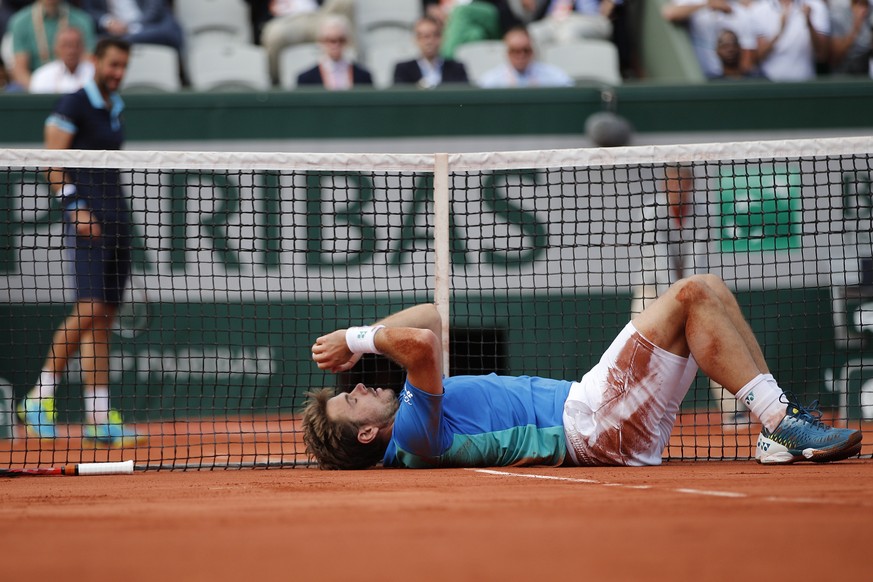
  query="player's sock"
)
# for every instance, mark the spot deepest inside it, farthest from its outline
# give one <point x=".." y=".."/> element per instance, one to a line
<point x="763" y="396"/>
<point x="97" y="404"/>
<point x="45" y="386"/>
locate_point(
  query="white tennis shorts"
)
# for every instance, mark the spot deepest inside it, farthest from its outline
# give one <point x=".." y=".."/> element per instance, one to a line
<point x="622" y="411"/>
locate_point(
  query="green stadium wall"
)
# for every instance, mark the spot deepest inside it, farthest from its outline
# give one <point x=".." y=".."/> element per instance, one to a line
<point x="213" y="359"/>
<point x="650" y="107"/>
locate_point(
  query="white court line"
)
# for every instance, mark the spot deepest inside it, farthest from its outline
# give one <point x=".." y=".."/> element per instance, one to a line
<point x="711" y="493"/>
<point x="684" y="491"/>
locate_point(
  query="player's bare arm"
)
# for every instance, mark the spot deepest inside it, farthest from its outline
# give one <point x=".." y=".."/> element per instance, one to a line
<point x="419" y="351"/>
<point x="58" y="139"/>
<point x="332" y="353"/>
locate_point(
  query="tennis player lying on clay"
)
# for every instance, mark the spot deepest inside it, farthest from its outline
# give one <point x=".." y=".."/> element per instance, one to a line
<point x="620" y="413"/>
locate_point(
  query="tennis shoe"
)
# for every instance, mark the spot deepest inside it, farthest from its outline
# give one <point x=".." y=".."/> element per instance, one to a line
<point x="802" y="436"/>
<point x="113" y="434"/>
<point x="38" y="416"/>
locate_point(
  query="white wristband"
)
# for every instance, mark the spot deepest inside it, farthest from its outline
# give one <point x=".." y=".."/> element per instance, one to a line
<point x="362" y="340"/>
<point x="68" y="190"/>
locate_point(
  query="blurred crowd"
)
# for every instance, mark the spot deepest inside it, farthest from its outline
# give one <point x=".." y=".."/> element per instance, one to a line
<point x="341" y="44"/>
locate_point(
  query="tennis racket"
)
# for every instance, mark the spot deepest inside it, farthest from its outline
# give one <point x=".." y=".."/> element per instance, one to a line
<point x="119" y="468"/>
<point x="135" y="310"/>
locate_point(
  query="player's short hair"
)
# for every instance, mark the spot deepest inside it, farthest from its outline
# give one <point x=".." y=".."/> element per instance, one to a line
<point x="104" y="44"/>
<point x="335" y="444"/>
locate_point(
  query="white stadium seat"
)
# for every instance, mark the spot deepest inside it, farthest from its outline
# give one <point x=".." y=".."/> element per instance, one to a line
<point x="231" y="67"/>
<point x="586" y="60"/>
<point x="152" y="68"/>
<point x="204" y="19"/>
<point x="481" y="56"/>
<point x="295" y="59"/>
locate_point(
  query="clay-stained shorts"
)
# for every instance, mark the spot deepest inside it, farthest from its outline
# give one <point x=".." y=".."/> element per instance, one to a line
<point x="623" y="409"/>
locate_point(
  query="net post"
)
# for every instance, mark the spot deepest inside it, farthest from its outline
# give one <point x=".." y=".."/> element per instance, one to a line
<point x="442" y="257"/>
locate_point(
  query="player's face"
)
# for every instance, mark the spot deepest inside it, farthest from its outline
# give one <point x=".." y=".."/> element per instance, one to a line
<point x="363" y="406"/>
<point x="109" y="69"/>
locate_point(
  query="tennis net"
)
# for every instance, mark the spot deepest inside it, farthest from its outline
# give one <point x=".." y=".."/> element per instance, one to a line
<point x="537" y="259"/>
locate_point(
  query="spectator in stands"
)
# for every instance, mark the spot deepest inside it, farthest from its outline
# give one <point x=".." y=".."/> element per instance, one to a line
<point x="333" y="71"/>
<point x="4" y="80"/>
<point x="136" y="21"/>
<point x="299" y="21"/>
<point x="9" y="8"/>
<point x="705" y="19"/>
<point x="522" y="69"/>
<point x="69" y="71"/>
<point x="470" y="21"/>
<point x="727" y="47"/>
<point x="561" y="21"/>
<point x="792" y="37"/>
<point x="429" y="69"/>
<point x="34" y="29"/>
<point x="851" y="37"/>
<point x="260" y="14"/>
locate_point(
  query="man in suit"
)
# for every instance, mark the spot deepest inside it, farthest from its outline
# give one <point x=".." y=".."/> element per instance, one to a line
<point x="333" y="71"/>
<point x="137" y="21"/>
<point x="430" y="69"/>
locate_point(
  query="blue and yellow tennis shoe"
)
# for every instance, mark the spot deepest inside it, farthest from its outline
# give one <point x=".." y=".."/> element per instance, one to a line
<point x="802" y="436"/>
<point x="38" y="416"/>
<point x="113" y="434"/>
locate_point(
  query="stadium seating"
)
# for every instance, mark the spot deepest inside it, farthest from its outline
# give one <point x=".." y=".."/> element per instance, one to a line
<point x="374" y="14"/>
<point x="152" y="68"/>
<point x="384" y="48"/>
<point x="294" y="60"/>
<point x="480" y="56"/>
<point x="587" y="60"/>
<point x="214" y="21"/>
<point x="228" y="67"/>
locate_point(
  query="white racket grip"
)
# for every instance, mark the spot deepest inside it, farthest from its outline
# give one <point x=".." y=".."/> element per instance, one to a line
<point x="119" y="468"/>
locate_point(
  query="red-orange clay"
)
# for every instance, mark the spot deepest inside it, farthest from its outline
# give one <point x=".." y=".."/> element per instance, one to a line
<point x="705" y="520"/>
<point x="681" y="521"/>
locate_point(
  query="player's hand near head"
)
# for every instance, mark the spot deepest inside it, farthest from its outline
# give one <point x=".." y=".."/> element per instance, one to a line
<point x="331" y="352"/>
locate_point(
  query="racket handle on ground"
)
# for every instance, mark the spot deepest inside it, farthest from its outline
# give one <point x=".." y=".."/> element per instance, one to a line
<point x="119" y="468"/>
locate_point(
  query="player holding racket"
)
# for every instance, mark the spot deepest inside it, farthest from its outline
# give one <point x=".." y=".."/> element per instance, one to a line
<point x="98" y="238"/>
<point x="621" y="413"/>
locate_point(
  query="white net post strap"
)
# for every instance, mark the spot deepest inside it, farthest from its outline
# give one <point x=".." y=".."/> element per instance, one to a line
<point x="442" y="268"/>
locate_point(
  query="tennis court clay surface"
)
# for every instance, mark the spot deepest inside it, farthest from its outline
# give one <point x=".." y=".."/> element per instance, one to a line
<point x="681" y="521"/>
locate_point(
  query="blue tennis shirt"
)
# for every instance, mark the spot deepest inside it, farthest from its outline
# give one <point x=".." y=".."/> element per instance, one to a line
<point x="480" y="421"/>
<point x="84" y="114"/>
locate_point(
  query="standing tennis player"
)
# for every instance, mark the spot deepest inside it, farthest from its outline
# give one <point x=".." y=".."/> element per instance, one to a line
<point x="620" y="413"/>
<point x="98" y="240"/>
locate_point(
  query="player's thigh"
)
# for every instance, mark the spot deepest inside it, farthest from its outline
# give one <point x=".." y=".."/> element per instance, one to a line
<point x="662" y="322"/>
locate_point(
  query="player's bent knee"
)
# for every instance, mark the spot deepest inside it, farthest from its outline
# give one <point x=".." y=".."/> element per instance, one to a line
<point x="695" y="290"/>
